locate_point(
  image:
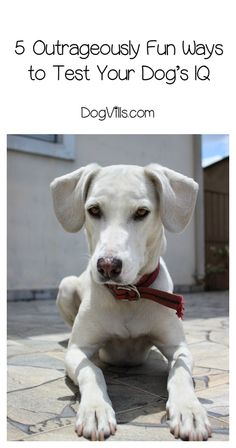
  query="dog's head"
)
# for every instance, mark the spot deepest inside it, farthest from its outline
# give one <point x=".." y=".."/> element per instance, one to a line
<point x="124" y="209"/>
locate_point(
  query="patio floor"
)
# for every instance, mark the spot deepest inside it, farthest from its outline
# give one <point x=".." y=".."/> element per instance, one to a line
<point x="42" y="403"/>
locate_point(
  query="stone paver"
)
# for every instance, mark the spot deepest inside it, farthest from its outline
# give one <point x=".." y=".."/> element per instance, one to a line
<point x="42" y="403"/>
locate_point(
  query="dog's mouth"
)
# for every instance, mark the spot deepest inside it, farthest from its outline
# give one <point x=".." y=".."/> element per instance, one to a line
<point x="109" y="281"/>
<point x="118" y="281"/>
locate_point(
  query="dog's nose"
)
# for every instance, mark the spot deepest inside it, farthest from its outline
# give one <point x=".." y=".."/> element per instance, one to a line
<point x="109" y="267"/>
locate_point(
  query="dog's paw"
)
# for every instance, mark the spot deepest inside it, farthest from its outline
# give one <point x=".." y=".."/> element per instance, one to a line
<point x="95" y="421"/>
<point x="188" y="419"/>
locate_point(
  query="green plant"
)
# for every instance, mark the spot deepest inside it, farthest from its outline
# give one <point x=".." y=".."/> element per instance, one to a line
<point x="220" y="263"/>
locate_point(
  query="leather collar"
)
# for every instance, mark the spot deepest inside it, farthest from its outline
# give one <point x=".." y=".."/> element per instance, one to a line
<point x="142" y="290"/>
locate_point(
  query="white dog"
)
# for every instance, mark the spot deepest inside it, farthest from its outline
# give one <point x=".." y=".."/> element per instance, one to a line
<point x="125" y="209"/>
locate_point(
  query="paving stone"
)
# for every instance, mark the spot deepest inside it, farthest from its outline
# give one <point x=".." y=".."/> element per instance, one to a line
<point x="40" y="360"/>
<point x="23" y="418"/>
<point x="34" y="319"/>
<point x="211" y="360"/>
<point x="217" y="396"/>
<point x="50" y="424"/>
<point x="219" y="379"/>
<point x="62" y="433"/>
<point x="219" y="427"/>
<point x="206" y="354"/>
<point x="150" y="377"/>
<point x="195" y="337"/>
<point x="201" y="370"/>
<point x="209" y="378"/>
<point x="49" y="397"/>
<point x="16" y="348"/>
<point x="126" y="398"/>
<point x="220" y="337"/>
<point x="14" y="433"/>
<point x="25" y="346"/>
<point x="203" y="324"/>
<point x="13" y="343"/>
<point x="151" y="414"/>
<point x="156" y="385"/>
<point x="50" y="338"/>
<point x="21" y="377"/>
<point x="139" y="432"/>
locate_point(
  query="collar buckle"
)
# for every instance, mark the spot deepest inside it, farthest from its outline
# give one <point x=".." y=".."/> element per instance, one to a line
<point x="133" y="293"/>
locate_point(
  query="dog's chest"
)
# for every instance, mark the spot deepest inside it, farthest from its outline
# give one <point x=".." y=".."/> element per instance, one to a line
<point x="129" y="320"/>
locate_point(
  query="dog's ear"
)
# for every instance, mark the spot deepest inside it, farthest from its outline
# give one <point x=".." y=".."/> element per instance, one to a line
<point x="178" y="194"/>
<point x="69" y="194"/>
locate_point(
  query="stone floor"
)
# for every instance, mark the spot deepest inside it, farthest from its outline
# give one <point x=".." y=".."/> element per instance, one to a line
<point x="42" y="403"/>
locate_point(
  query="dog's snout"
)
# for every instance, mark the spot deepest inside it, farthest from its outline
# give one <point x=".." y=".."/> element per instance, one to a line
<point x="109" y="267"/>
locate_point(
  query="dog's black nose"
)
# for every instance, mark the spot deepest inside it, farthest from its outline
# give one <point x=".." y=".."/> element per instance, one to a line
<point x="109" y="267"/>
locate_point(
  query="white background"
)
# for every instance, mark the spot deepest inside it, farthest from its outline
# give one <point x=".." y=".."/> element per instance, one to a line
<point x="54" y="107"/>
<point x="184" y="107"/>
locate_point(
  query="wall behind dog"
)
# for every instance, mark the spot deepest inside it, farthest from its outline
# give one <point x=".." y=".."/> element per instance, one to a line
<point x="40" y="252"/>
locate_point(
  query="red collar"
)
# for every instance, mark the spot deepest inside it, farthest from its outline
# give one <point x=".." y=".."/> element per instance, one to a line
<point x="142" y="291"/>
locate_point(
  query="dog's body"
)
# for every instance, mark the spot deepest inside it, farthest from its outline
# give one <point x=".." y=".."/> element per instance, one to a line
<point x="125" y="209"/>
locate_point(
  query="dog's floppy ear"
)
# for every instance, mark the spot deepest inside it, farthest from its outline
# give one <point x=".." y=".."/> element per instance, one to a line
<point x="178" y="194"/>
<point x="69" y="193"/>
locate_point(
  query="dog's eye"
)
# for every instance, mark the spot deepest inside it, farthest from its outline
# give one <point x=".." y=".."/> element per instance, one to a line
<point x="140" y="214"/>
<point x="95" y="211"/>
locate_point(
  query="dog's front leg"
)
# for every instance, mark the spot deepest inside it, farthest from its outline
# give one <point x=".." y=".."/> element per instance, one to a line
<point x="188" y="418"/>
<point x="96" y="417"/>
